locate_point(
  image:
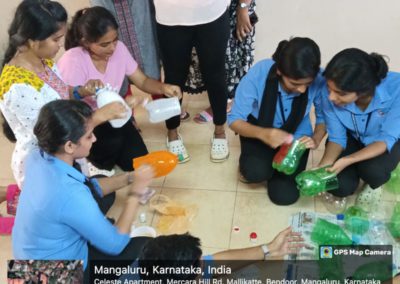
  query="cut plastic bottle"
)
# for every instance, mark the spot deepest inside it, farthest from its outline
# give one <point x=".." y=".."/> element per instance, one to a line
<point x="163" y="109"/>
<point x="393" y="184"/>
<point x="356" y="220"/>
<point x="287" y="159"/>
<point x="106" y="96"/>
<point x="394" y="224"/>
<point x="312" y="182"/>
<point x="163" y="162"/>
<point x="327" y="233"/>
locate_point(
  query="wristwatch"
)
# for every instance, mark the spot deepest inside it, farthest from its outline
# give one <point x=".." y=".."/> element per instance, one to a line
<point x="243" y="5"/>
<point x="265" y="249"/>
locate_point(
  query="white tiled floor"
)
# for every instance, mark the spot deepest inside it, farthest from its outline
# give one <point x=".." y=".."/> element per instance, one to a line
<point x="213" y="188"/>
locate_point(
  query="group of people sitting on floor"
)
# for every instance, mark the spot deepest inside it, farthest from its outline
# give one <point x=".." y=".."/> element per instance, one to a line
<point x="50" y="112"/>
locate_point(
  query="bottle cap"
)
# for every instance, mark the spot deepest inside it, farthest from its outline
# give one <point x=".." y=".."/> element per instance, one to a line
<point x="253" y="237"/>
<point x="236" y="229"/>
<point x="340" y="216"/>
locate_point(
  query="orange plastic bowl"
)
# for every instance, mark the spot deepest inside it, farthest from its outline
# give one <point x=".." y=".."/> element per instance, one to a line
<point x="163" y="162"/>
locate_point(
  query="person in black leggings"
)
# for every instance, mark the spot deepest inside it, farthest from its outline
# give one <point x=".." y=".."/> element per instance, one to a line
<point x="210" y="41"/>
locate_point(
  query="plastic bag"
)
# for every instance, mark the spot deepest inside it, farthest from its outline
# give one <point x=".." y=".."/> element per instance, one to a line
<point x="175" y="217"/>
<point x="393" y="184"/>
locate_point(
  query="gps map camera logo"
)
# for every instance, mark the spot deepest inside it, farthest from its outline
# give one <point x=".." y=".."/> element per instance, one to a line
<point x="325" y="252"/>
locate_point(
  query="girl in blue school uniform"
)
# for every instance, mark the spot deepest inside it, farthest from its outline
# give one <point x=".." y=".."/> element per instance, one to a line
<point x="362" y="113"/>
<point x="272" y="104"/>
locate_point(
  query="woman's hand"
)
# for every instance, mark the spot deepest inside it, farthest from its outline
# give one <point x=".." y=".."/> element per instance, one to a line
<point x="141" y="179"/>
<point x="111" y="111"/>
<point x="339" y="165"/>
<point x="133" y="101"/>
<point x="274" y="137"/>
<point x="243" y="25"/>
<point x="286" y="242"/>
<point x="89" y="89"/>
<point x="172" y="91"/>
<point x="309" y="142"/>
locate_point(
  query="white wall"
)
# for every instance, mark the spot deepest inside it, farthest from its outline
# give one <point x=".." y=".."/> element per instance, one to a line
<point x="372" y="25"/>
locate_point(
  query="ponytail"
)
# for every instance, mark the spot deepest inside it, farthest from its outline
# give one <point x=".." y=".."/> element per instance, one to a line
<point x="380" y="65"/>
<point x="73" y="36"/>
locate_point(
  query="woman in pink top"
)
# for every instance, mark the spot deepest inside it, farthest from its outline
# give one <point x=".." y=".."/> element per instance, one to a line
<point x="94" y="52"/>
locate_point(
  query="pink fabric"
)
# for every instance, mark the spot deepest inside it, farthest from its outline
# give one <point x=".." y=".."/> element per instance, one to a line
<point x="76" y="68"/>
<point x="52" y="79"/>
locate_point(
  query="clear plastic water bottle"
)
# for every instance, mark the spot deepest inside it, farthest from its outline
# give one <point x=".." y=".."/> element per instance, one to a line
<point x="163" y="109"/>
<point x="106" y="96"/>
<point x="287" y="159"/>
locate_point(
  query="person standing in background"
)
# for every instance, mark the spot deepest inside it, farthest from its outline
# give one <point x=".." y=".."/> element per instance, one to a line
<point x="182" y="25"/>
<point x="239" y="55"/>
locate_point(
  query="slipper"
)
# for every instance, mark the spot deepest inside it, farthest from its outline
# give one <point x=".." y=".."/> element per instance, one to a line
<point x="185" y="116"/>
<point x="219" y="149"/>
<point x="229" y="105"/>
<point x="203" y="117"/>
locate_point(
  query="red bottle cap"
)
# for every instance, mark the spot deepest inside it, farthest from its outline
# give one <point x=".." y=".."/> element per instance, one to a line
<point x="253" y="236"/>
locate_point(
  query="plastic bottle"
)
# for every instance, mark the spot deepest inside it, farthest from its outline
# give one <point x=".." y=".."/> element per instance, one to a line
<point x="312" y="182"/>
<point x="379" y="271"/>
<point x="288" y="157"/>
<point x="394" y="224"/>
<point x="106" y="96"/>
<point x="163" y="162"/>
<point x="163" y="109"/>
<point x="393" y="184"/>
<point x="356" y="220"/>
<point x="327" y="233"/>
<point x="12" y="198"/>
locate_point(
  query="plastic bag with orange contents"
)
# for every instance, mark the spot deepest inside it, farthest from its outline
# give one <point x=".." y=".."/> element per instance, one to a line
<point x="174" y="217"/>
<point x="163" y="162"/>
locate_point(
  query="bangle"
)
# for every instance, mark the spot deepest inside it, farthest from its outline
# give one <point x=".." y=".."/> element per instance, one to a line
<point x="265" y="250"/>
<point x="130" y="178"/>
<point x="135" y="194"/>
<point x="76" y="94"/>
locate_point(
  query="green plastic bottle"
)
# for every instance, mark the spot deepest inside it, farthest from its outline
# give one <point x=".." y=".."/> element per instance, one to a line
<point x="356" y="220"/>
<point x="312" y="182"/>
<point x="394" y="224"/>
<point x="393" y="184"/>
<point x="287" y="159"/>
<point x="378" y="271"/>
<point x="327" y="233"/>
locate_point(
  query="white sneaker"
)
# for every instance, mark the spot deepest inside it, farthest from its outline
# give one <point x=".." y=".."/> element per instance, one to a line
<point x="369" y="199"/>
<point x="178" y="149"/>
<point x="94" y="171"/>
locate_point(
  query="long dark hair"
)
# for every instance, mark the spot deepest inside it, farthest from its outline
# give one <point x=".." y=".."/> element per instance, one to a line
<point x="33" y="20"/>
<point x="298" y="58"/>
<point x="90" y="24"/>
<point x="61" y="121"/>
<point x="354" y="70"/>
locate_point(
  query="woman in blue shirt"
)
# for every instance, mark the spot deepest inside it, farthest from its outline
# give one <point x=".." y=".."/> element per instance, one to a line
<point x="57" y="216"/>
<point x="362" y="113"/>
<point x="272" y="102"/>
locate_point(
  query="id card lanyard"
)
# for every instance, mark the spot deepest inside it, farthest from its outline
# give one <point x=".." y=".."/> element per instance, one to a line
<point x="353" y="117"/>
